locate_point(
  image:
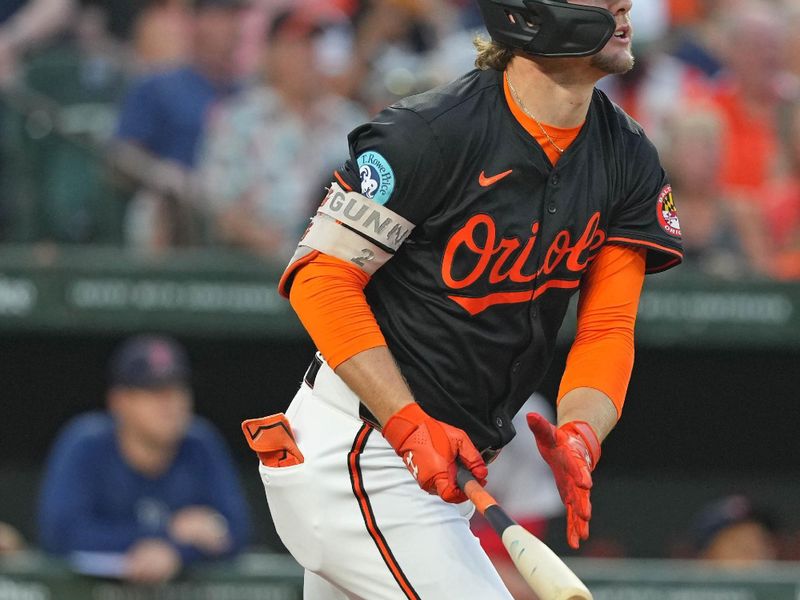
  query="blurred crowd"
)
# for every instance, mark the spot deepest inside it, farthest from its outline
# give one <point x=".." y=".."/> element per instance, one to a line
<point x="164" y="123"/>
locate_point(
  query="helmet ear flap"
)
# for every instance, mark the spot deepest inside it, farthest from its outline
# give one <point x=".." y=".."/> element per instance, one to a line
<point x="551" y="28"/>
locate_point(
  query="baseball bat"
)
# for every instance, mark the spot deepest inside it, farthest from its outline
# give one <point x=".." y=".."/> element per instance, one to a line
<point x="544" y="572"/>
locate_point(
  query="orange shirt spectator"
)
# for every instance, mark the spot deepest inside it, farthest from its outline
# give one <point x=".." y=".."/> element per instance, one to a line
<point x="754" y="55"/>
<point x="750" y="142"/>
<point x="784" y="199"/>
<point x="682" y="12"/>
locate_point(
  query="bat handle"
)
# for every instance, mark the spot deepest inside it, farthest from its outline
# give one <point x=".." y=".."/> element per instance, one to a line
<point x="473" y="490"/>
<point x="463" y="477"/>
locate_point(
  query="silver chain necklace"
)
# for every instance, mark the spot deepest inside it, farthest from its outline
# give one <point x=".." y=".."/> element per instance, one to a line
<point x="514" y="93"/>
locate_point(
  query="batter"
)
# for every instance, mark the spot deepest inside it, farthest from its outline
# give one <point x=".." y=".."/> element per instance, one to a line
<point x="434" y="279"/>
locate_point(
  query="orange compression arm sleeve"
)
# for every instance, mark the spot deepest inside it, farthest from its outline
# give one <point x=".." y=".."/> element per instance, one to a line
<point x="328" y="295"/>
<point x="601" y="356"/>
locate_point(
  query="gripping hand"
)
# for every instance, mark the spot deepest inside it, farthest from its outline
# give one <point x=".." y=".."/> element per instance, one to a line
<point x="572" y="451"/>
<point x="431" y="449"/>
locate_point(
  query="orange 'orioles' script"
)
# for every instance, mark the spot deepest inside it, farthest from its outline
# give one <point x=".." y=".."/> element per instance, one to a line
<point x="504" y="259"/>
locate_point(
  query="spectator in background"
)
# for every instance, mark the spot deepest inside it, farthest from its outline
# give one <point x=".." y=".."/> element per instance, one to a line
<point x="793" y="49"/>
<point x="156" y="34"/>
<point x="270" y="152"/>
<point x="56" y="188"/>
<point x="148" y="488"/>
<point x="670" y="71"/>
<point x="26" y="23"/>
<point x="715" y="231"/>
<point x="338" y="40"/>
<point x="698" y="41"/>
<point x="122" y="15"/>
<point x="784" y="201"/>
<point x="394" y="41"/>
<point x="161" y="126"/>
<point x="749" y="101"/>
<point x="734" y="532"/>
<point x="11" y="540"/>
<point x="528" y="494"/>
<point x="161" y="35"/>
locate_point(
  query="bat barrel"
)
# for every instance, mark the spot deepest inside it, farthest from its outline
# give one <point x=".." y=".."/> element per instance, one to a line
<point x="543" y="571"/>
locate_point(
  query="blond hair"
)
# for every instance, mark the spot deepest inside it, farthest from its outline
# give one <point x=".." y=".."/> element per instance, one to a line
<point x="492" y="55"/>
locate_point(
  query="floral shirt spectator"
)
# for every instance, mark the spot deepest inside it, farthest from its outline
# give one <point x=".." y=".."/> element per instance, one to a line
<point x="271" y="164"/>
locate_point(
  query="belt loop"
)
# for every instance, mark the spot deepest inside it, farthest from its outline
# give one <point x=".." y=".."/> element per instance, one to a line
<point x="310" y="379"/>
<point x="313" y="369"/>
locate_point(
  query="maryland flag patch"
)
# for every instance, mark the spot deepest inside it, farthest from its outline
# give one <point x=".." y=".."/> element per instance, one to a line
<point x="667" y="212"/>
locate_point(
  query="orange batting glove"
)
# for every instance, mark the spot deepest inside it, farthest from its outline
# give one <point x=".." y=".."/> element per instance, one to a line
<point x="572" y="451"/>
<point x="430" y="450"/>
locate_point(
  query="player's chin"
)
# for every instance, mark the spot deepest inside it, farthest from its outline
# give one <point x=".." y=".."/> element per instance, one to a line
<point x="614" y="62"/>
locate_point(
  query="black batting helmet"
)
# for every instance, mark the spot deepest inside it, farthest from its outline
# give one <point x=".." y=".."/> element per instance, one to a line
<point x="552" y="28"/>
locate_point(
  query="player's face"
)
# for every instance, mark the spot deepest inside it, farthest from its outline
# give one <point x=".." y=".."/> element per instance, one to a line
<point x="617" y="56"/>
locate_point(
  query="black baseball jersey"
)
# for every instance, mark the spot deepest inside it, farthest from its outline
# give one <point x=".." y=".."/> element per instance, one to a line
<point x="471" y="303"/>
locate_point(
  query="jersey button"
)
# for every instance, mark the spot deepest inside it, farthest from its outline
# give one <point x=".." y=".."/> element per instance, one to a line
<point x="551" y="208"/>
<point x="555" y="179"/>
<point x="515" y="367"/>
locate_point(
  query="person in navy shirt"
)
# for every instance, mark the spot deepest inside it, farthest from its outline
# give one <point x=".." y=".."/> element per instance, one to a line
<point x="146" y="488"/>
<point x="161" y="125"/>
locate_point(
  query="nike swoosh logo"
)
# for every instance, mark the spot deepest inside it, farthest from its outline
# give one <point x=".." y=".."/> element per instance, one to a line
<point x="485" y="181"/>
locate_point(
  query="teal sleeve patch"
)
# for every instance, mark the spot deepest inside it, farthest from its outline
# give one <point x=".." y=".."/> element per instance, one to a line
<point x="377" y="177"/>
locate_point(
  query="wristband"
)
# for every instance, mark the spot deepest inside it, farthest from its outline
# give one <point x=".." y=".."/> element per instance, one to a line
<point x="584" y="431"/>
<point x="402" y="423"/>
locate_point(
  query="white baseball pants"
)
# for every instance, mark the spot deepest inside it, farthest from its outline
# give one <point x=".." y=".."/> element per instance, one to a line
<point x="356" y="520"/>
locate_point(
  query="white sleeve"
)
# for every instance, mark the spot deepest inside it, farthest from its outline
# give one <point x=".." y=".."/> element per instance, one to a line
<point x="350" y="226"/>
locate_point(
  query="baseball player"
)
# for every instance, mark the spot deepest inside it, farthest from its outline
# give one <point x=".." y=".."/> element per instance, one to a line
<point x="433" y="280"/>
